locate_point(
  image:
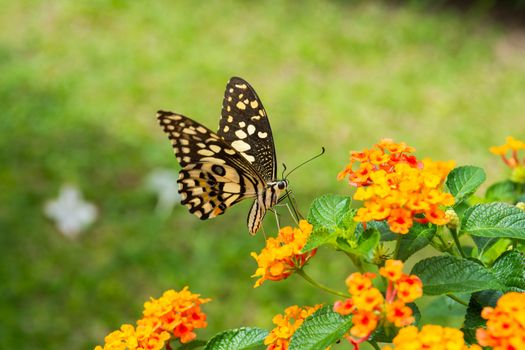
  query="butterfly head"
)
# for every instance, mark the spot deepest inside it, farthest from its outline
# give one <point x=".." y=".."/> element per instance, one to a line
<point x="277" y="187"/>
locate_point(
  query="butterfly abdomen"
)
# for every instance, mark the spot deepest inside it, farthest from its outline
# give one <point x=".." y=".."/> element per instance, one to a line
<point x="266" y="199"/>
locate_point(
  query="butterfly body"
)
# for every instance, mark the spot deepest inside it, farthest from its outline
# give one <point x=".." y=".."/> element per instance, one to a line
<point x="238" y="162"/>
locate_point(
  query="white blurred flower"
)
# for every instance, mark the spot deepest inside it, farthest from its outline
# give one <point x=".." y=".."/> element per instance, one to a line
<point x="164" y="183"/>
<point x="70" y="212"/>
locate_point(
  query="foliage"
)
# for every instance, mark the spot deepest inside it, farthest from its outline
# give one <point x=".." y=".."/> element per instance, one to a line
<point x="384" y="310"/>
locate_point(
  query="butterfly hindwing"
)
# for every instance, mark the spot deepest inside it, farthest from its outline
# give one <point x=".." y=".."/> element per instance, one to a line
<point x="214" y="176"/>
<point x="244" y="125"/>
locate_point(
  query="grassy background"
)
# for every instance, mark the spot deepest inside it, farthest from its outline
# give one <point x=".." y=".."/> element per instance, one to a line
<point x="80" y="84"/>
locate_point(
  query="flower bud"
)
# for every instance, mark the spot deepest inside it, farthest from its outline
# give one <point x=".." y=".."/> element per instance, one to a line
<point x="518" y="175"/>
<point x="453" y="219"/>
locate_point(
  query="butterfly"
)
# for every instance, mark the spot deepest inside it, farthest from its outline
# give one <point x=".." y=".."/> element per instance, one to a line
<point x="238" y="162"/>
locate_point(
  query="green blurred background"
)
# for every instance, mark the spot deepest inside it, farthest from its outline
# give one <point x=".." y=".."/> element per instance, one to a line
<point x="80" y="82"/>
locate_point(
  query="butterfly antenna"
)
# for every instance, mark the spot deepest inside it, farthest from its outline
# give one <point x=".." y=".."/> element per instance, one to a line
<point x="303" y="163"/>
<point x="284" y="169"/>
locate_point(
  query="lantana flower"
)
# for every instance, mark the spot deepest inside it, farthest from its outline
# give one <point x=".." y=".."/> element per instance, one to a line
<point x="430" y="337"/>
<point x="512" y="146"/>
<point x="505" y="323"/>
<point x="397" y="187"/>
<point x="368" y="305"/>
<point x="282" y="254"/>
<point x="286" y="325"/>
<point x="174" y="315"/>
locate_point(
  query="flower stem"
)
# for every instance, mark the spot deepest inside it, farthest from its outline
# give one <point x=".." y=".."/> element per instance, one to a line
<point x="310" y="280"/>
<point x="356" y="261"/>
<point x="457" y="299"/>
<point x="454" y="233"/>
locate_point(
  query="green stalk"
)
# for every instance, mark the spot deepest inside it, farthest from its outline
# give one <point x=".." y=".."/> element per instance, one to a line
<point x="310" y="280"/>
<point x="457" y="299"/>
<point x="454" y="233"/>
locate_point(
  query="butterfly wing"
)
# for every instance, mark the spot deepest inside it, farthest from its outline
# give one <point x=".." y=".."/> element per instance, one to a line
<point x="244" y="125"/>
<point x="214" y="176"/>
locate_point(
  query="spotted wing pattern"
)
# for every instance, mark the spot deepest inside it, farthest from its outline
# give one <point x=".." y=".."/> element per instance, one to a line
<point x="245" y="126"/>
<point x="214" y="176"/>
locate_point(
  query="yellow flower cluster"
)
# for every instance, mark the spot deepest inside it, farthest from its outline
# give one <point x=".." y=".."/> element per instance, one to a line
<point x="430" y="338"/>
<point x="286" y="325"/>
<point x="505" y="323"/>
<point x="175" y="314"/>
<point x="282" y="254"/>
<point x="368" y="306"/>
<point x="397" y="187"/>
<point x="513" y="146"/>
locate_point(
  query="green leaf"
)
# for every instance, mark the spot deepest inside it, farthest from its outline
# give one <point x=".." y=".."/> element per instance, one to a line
<point x="191" y="345"/>
<point x="504" y="191"/>
<point x="473" y="319"/>
<point x="368" y="241"/>
<point x="240" y="338"/>
<point x="484" y="243"/>
<point x="381" y="226"/>
<point x="463" y="181"/>
<point x="318" y="238"/>
<point x="448" y="274"/>
<point x="320" y="330"/>
<point x="329" y="211"/>
<point x="494" y="248"/>
<point x="494" y="220"/>
<point x="509" y="268"/>
<point x="418" y="238"/>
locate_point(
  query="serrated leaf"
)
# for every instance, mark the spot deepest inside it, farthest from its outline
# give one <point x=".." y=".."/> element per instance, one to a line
<point x="418" y="238"/>
<point x="448" y="274"/>
<point x="329" y="211"/>
<point x="509" y="268"/>
<point x="494" y="220"/>
<point x="463" y="181"/>
<point x="504" y="191"/>
<point x="239" y="339"/>
<point x="320" y="330"/>
<point x="317" y="238"/>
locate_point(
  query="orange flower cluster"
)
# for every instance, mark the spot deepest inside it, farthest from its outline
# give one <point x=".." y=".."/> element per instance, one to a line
<point x="514" y="146"/>
<point x="505" y="323"/>
<point x="287" y="324"/>
<point x="368" y="306"/>
<point x="397" y="187"/>
<point x="430" y="337"/>
<point x="175" y="314"/>
<point x="282" y="254"/>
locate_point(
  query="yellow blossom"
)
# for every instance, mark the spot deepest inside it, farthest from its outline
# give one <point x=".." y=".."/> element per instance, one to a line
<point x="397" y="187"/>
<point x="286" y="325"/>
<point x="282" y="254"/>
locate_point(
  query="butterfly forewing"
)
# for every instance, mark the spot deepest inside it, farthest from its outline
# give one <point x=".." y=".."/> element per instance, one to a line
<point x="245" y="126"/>
<point x="214" y="176"/>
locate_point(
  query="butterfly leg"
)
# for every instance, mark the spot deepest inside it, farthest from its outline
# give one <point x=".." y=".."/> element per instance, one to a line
<point x="276" y="218"/>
